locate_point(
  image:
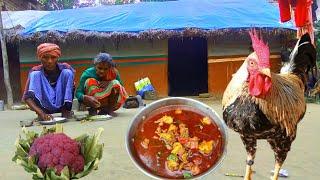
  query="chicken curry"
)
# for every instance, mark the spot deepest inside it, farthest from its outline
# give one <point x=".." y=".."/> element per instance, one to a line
<point x="178" y="143"/>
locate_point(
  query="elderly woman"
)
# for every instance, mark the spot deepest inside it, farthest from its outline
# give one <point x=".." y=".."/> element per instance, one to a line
<point x="50" y="86"/>
<point x="101" y="88"/>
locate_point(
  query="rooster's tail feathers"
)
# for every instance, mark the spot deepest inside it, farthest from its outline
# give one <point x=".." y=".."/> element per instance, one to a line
<point x="302" y="58"/>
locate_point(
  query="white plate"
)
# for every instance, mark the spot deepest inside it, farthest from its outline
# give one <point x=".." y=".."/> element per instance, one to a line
<point x="100" y="117"/>
<point x="58" y="119"/>
<point x="54" y="121"/>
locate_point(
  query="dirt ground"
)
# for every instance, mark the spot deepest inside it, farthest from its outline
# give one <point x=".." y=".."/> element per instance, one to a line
<point x="303" y="161"/>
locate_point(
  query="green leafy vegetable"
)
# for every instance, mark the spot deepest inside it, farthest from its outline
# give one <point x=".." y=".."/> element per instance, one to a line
<point x="173" y="157"/>
<point x="187" y="175"/>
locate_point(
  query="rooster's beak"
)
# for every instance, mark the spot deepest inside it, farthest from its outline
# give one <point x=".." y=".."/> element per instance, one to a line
<point x="266" y="71"/>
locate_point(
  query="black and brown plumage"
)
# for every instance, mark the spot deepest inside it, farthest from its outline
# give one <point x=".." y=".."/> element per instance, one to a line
<point x="259" y="104"/>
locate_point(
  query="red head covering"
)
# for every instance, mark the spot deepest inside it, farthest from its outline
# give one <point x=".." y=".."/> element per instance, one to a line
<point x="261" y="49"/>
<point x="48" y="48"/>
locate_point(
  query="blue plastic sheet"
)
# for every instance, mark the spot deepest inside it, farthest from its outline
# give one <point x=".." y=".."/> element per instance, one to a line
<point x="12" y="19"/>
<point x="170" y="15"/>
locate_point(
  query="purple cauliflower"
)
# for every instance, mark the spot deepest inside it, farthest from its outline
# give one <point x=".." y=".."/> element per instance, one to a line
<point x="57" y="151"/>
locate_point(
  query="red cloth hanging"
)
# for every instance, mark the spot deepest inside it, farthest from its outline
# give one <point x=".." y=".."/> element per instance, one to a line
<point x="301" y="11"/>
<point x="301" y="15"/>
<point x="285" y="13"/>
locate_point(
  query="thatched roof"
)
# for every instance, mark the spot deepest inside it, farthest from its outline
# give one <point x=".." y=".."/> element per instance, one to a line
<point x="83" y="36"/>
<point x="151" y="21"/>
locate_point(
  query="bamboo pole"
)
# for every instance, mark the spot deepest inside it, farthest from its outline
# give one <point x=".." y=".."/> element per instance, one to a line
<point x="6" y="76"/>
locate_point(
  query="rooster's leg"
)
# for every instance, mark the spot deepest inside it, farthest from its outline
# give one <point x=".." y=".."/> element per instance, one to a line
<point x="250" y="144"/>
<point x="277" y="168"/>
<point x="281" y="146"/>
<point x="249" y="167"/>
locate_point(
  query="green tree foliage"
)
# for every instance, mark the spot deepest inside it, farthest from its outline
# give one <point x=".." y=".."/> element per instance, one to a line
<point x="110" y="2"/>
<point x="69" y="4"/>
<point x="58" y="4"/>
<point x="124" y="1"/>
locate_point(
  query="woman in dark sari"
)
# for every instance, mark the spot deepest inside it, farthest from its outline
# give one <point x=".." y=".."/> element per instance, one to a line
<point x="101" y="88"/>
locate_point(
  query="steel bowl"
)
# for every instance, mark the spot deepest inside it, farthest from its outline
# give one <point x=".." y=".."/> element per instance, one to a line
<point x="174" y="102"/>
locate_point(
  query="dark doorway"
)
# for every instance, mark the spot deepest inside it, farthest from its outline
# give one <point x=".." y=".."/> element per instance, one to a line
<point x="187" y="66"/>
<point x="14" y="68"/>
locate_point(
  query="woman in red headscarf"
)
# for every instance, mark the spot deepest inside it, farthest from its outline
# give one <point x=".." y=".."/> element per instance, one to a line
<point x="50" y="86"/>
<point x="101" y="88"/>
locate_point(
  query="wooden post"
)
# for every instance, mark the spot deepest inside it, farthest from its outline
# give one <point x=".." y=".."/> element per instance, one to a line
<point x="6" y="76"/>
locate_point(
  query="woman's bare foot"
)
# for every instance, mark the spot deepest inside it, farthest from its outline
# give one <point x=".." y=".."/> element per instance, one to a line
<point x="103" y="112"/>
<point x="112" y="113"/>
<point x="92" y="112"/>
<point x="67" y="114"/>
<point x="106" y="111"/>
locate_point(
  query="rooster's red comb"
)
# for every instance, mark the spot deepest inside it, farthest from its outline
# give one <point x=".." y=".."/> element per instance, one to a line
<point x="261" y="49"/>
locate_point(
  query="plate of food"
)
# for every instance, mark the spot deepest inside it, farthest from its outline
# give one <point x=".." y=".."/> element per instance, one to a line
<point x="54" y="121"/>
<point x="176" y="138"/>
<point x="100" y="117"/>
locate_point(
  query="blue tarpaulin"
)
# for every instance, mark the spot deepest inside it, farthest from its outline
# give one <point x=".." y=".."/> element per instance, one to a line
<point x="12" y="19"/>
<point x="170" y="15"/>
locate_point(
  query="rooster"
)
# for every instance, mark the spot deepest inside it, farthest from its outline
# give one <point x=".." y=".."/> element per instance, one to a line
<point x="259" y="104"/>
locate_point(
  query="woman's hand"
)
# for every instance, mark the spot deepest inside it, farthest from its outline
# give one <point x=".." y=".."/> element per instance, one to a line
<point x="91" y="101"/>
<point x="45" y="117"/>
<point x="103" y="84"/>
